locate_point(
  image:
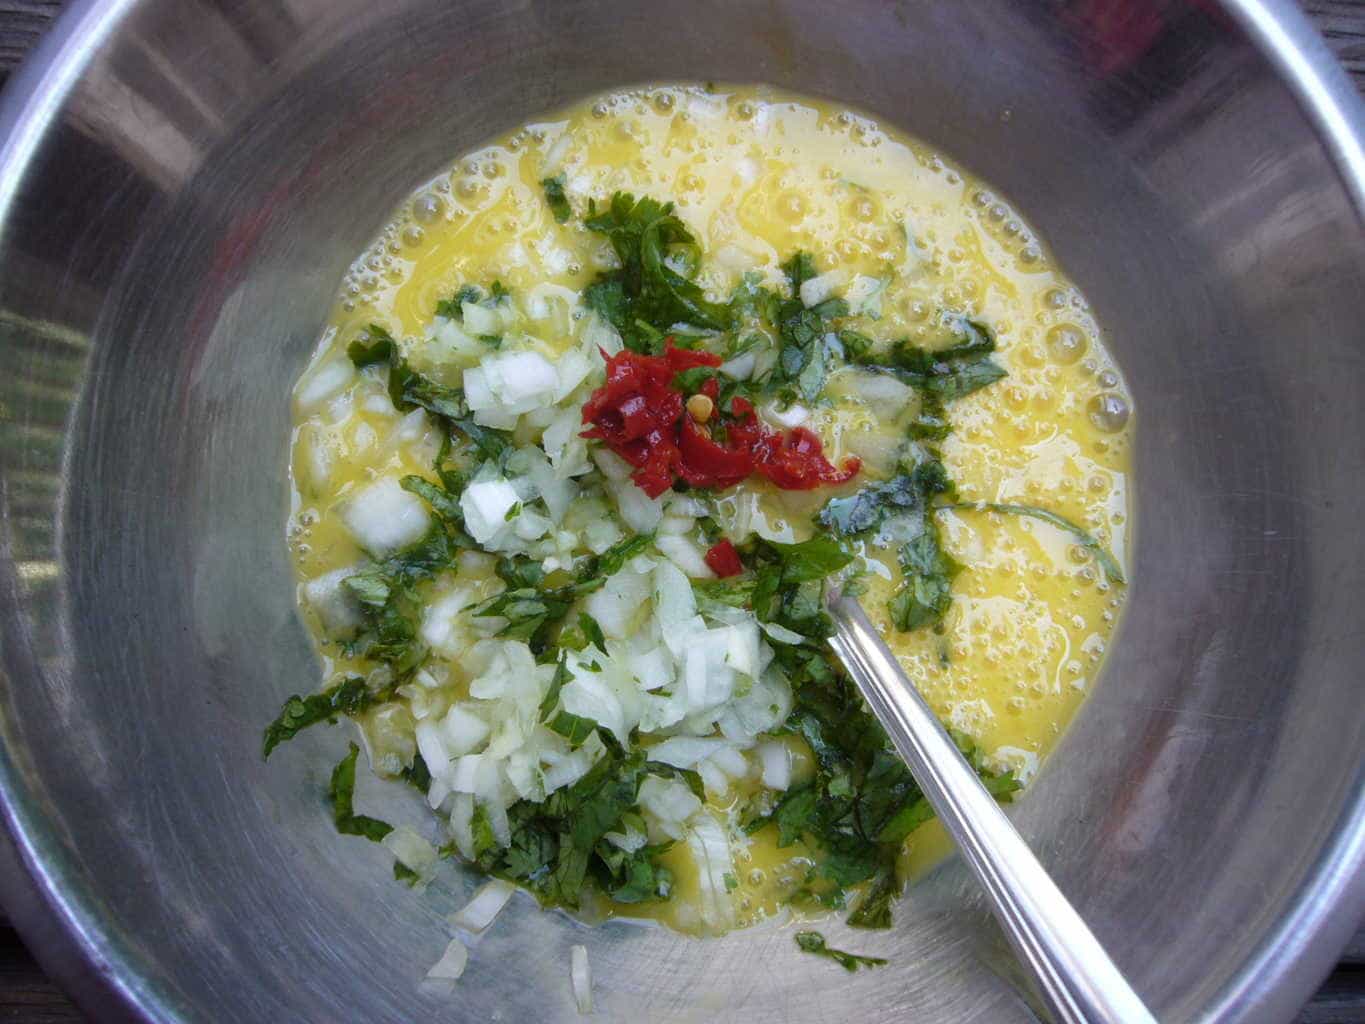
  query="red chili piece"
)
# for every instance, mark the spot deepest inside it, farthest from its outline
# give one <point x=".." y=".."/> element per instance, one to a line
<point x="640" y="416"/>
<point x="724" y="559"/>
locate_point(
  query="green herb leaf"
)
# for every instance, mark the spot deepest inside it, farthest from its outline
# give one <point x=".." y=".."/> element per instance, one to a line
<point x="812" y="559"/>
<point x="794" y="815"/>
<point x="555" y="198"/>
<point x="592" y="631"/>
<point x="342" y="793"/>
<point x="409" y="390"/>
<point x="752" y="303"/>
<point x="867" y="508"/>
<point x="377" y="346"/>
<point x="689" y="382"/>
<point x="814" y="942"/>
<point x="453" y="309"/>
<point x="646" y="290"/>
<point x="925" y="594"/>
<point x="391" y="605"/>
<point x="442" y="502"/>
<point x="349" y="697"/>
<point x="951" y="372"/>
<point x="614" y="559"/>
<point x="799" y="268"/>
<point x="1112" y="571"/>
<point x="417" y="775"/>
<point x="874" y="908"/>
<point x="573" y="728"/>
<point x="635" y="877"/>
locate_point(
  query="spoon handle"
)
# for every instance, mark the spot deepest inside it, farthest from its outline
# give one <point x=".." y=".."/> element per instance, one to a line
<point x="1076" y="977"/>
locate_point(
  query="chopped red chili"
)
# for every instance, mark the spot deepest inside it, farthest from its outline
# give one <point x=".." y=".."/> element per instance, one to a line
<point x="639" y="414"/>
<point x="724" y="559"/>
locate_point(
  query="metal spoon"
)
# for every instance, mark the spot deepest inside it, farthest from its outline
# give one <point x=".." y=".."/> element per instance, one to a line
<point x="1077" y="979"/>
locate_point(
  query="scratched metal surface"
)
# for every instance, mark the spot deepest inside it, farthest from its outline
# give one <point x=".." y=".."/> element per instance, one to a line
<point x="1175" y="732"/>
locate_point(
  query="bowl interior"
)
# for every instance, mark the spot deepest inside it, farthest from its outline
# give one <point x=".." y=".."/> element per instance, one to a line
<point x="172" y="249"/>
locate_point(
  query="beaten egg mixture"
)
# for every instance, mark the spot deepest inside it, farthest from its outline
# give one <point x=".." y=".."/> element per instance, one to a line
<point x="899" y="232"/>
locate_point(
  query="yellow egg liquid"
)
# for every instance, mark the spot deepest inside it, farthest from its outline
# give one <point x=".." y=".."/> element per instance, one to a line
<point x="758" y="174"/>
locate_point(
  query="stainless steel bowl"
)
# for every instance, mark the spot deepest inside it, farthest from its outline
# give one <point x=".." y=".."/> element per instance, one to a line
<point x="182" y="183"/>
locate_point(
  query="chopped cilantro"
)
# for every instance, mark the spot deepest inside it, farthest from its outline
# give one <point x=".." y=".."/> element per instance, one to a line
<point x="390" y="603"/>
<point x="349" y="697"/>
<point x="1084" y="538"/>
<point x="799" y="268"/>
<point x="409" y="390"/>
<point x="814" y="942"/>
<point x="646" y="297"/>
<point x="925" y="594"/>
<point x="342" y="793"/>
<point x="573" y="728"/>
<point x="555" y="198"/>
<point x="592" y="631"/>
<point x="951" y="372"/>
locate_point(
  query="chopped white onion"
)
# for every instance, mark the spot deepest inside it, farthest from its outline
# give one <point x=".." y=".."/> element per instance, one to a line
<point x="464" y="731"/>
<point x="710" y="851"/>
<point x="880" y="392"/>
<point x="685" y="555"/>
<point x="652" y="669"/>
<point x="480" y="319"/>
<point x="776" y="759"/>
<point x="485" y="506"/>
<point x="788" y="418"/>
<point x="715" y="780"/>
<point x="323" y="383"/>
<point x="479" y="913"/>
<point x="618" y="604"/>
<point x="730" y="761"/>
<point x="337" y="609"/>
<point x="582" y="979"/>
<point x="864" y="295"/>
<point x="668" y="803"/>
<point x="638" y="510"/>
<point x="464" y="777"/>
<point x="685" y="751"/>
<point x="504" y="386"/>
<point x="383" y="517"/>
<point x="600" y="336"/>
<point x="782" y="634"/>
<point x="816" y="290"/>
<point x="613" y="467"/>
<point x="573" y="368"/>
<point x="413" y="852"/>
<point x="741" y="367"/>
<point x="447" y="970"/>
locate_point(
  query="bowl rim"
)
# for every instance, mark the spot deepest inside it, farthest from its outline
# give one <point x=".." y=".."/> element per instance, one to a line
<point x="59" y="923"/>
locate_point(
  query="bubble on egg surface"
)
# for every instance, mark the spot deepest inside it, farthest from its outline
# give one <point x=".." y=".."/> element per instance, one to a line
<point x="1108" y="412"/>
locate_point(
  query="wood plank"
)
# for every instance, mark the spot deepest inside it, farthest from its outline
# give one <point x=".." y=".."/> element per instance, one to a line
<point x="22" y="23"/>
<point x="26" y="994"/>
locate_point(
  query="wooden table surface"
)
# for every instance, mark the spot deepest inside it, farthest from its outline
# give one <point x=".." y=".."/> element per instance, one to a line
<point x="27" y="996"/>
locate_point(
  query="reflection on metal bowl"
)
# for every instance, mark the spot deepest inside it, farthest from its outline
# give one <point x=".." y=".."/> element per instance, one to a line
<point x="182" y="184"/>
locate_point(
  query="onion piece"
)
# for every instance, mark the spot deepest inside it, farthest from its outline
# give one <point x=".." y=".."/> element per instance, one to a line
<point x="582" y="979"/>
<point x="710" y="850"/>
<point x="446" y="971"/>
<point x="413" y="852"/>
<point x="776" y="759"/>
<point x="686" y="751"/>
<point x="383" y="517"/>
<point x="686" y="555"/>
<point x="479" y="912"/>
<point x="815" y="290"/>
<point x="782" y="634"/>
